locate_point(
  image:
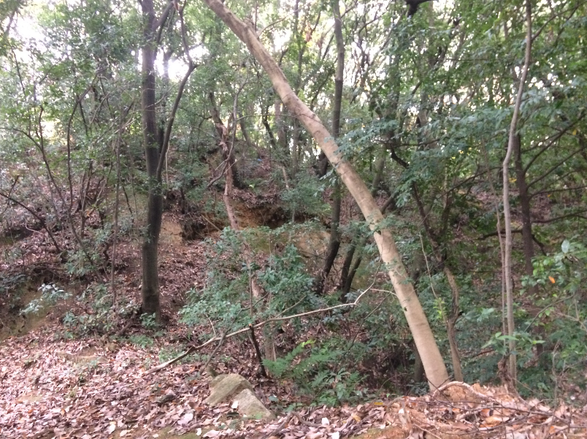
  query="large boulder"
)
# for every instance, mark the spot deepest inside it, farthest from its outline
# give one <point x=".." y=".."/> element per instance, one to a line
<point x="234" y="387"/>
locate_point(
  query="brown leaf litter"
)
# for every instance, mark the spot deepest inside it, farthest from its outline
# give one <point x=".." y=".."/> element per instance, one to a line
<point x="88" y="389"/>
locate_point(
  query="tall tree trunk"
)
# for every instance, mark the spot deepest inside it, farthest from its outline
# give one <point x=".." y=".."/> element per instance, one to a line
<point x="528" y="242"/>
<point x="355" y="253"/>
<point x="225" y="141"/>
<point x="451" y="322"/>
<point x="334" y="243"/>
<point x="150" y="287"/>
<point x="424" y="338"/>
<point x="507" y="260"/>
<point x="227" y="153"/>
<point x="346" y="268"/>
<point x="156" y="145"/>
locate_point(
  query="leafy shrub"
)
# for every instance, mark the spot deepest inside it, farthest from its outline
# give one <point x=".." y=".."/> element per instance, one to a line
<point x="557" y="366"/>
<point x="304" y="198"/>
<point x="141" y="340"/>
<point x="94" y="312"/>
<point x="315" y="370"/>
<point x="226" y="299"/>
<point x="50" y="295"/>
<point x="149" y="321"/>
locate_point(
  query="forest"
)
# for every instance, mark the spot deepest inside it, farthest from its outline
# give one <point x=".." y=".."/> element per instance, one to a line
<point x="371" y="213"/>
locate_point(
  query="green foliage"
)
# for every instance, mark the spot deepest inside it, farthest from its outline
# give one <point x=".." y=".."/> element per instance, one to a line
<point x="286" y="278"/>
<point x="226" y="299"/>
<point x="316" y="371"/>
<point x="51" y="294"/>
<point x="149" y="321"/>
<point x="82" y="262"/>
<point x="226" y="286"/>
<point x="562" y="316"/>
<point x="141" y="340"/>
<point x="304" y="198"/>
<point x="10" y="285"/>
<point x="93" y="312"/>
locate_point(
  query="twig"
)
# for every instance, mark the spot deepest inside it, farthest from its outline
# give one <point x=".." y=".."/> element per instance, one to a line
<point x="258" y="351"/>
<point x="211" y="223"/>
<point x="279" y="428"/>
<point x="466" y="386"/>
<point x="220" y="343"/>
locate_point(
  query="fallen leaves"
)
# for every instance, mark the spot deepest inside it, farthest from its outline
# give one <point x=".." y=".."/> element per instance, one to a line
<point x="90" y="389"/>
<point x="116" y="398"/>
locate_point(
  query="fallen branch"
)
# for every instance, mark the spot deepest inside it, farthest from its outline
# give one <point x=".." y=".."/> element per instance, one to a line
<point x="469" y="388"/>
<point x="193" y="349"/>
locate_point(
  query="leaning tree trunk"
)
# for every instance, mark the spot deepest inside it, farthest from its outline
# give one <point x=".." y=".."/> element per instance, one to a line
<point x="419" y="326"/>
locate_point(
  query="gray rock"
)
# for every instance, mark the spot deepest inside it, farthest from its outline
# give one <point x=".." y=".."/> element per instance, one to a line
<point x="250" y="406"/>
<point x="233" y="387"/>
<point x="223" y="387"/>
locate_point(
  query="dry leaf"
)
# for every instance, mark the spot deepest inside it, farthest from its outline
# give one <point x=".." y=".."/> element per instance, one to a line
<point x="187" y="418"/>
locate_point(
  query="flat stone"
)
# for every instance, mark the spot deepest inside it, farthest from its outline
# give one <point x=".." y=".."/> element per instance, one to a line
<point x="250" y="406"/>
<point x="224" y="387"/>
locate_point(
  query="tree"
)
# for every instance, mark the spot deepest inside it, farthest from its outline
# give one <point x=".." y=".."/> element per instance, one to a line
<point x="423" y="336"/>
<point x="156" y="142"/>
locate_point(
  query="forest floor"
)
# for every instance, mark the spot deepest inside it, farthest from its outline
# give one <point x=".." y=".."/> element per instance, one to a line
<point x="56" y="386"/>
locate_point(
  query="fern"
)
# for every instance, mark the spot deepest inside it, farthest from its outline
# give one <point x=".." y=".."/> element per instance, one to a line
<point x="314" y="370"/>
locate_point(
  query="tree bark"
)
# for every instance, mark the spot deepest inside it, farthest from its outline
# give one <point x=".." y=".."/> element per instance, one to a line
<point x="528" y="241"/>
<point x="150" y="285"/>
<point x="424" y="338"/>
<point x="507" y="260"/>
<point x="334" y="243"/>
<point x="156" y="145"/>
<point x="451" y="322"/>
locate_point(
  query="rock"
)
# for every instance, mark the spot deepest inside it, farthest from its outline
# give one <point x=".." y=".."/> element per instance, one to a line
<point x="168" y="397"/>
<point x="250" y="406"/>
<point x="234" y="387"/>
<point x="224" y="387"/>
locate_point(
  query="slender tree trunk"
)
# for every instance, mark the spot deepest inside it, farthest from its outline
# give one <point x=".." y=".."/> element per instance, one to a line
<point x="356" y="263"/>
<point x="346" y="267"/>
<point x="156" y="145"/>
<point x="281" y="133"/>
<point x="334" y="243"/>
<point x="451" y="322"/>
<point x="507" y="263"/>
<point x="528" y="242"/>
<point x="227" y="153"/>
<point x="256" y="293"/>
<point x="424" y="338"/>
